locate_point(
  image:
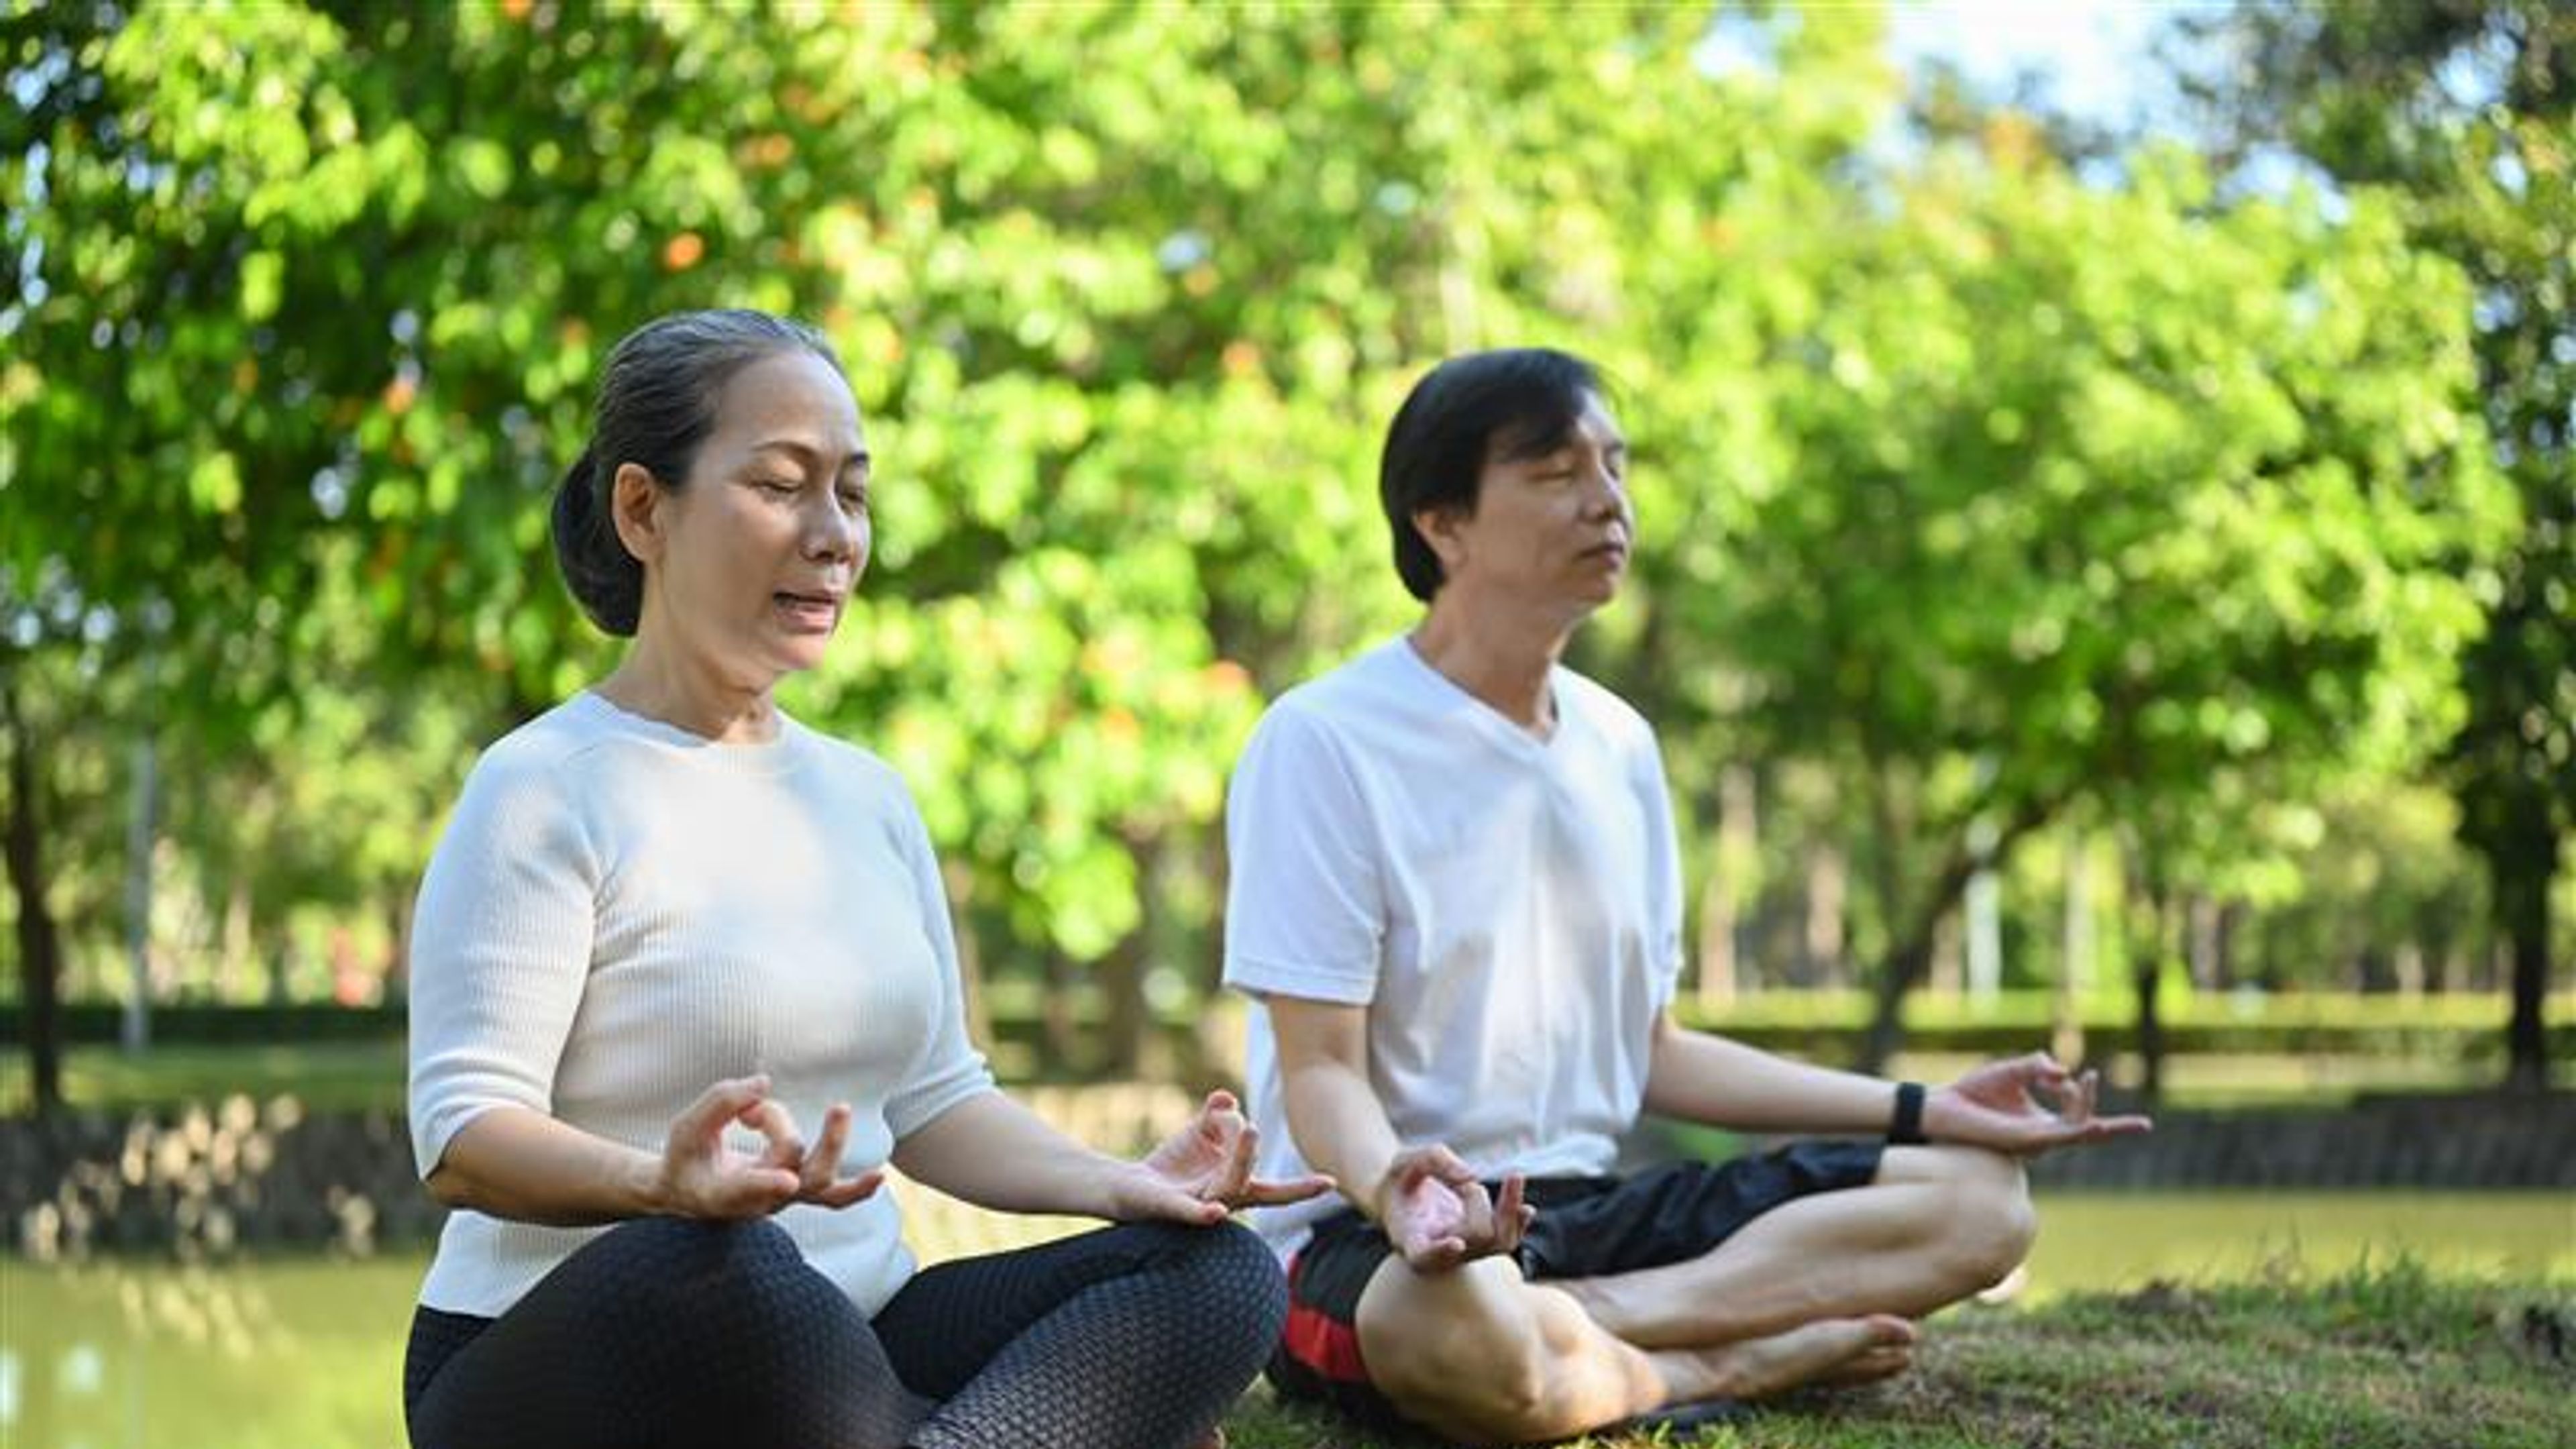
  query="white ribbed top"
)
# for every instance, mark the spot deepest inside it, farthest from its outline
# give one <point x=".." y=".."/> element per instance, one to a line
<point x="620" y="913"/>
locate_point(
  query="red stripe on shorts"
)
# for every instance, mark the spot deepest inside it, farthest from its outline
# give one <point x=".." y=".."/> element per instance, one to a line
<point x="1320" y="1341"/>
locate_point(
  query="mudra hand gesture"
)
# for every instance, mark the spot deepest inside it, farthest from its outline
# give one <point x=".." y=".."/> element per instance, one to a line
<point x="1438" y="1214"/>
<point x="1203" y="1172"/>
<point x="2025" y="1106"/>
<point x="701" y="1177"/>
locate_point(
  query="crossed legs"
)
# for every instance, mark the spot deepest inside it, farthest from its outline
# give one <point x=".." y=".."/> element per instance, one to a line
<point x="1819" y="1289"/>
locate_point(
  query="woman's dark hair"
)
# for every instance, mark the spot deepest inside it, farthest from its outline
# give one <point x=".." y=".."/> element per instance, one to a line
<point x="656" y="404"/>
<point x="1514" y="402"/>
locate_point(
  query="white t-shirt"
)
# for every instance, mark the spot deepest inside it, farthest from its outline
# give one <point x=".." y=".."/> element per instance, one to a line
<point x="1508" y="908"/>
<point x="621" y="913"/>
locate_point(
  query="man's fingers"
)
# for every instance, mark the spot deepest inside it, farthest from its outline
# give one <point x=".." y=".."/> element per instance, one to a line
<point x="1437" y="1255"/>
<point x="1512" y="1216"/>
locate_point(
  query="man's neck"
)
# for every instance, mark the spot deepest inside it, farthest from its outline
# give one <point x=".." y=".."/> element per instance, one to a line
<point x="1501" y="657"/>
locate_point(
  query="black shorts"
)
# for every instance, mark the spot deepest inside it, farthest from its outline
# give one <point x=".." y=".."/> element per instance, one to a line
<point x="1586" y="1227"/>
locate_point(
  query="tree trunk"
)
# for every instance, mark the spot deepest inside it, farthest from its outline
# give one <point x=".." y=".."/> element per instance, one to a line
<point x="1828" y="952"/>
<point x="232" y="969"/>
<point x="2523" y="871"/>
<point x="1730" y="878"/>
<point x="40" y="957"/>
<point x="1059" y="1029"/>
<point x="2075" y="956"/>
<point x="2203" y="950"/>
<point x="2143" y="882"/>
<point x="398" y="908"/>
<point x="1912" y="955"/>
<point x="2151" y="1026"/>
<point x="1947" y="976"/>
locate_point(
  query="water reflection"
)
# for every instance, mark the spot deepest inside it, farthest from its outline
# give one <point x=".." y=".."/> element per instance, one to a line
<point x="308" y="1355"/>
<point x="272" y="1356"/>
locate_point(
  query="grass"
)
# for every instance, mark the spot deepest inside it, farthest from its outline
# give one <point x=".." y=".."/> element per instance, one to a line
<point x="324" y="1076"/>
<point x="2378" y="1358"/>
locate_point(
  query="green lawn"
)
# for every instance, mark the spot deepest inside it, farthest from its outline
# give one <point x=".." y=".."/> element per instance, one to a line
<point x="2385" y="1359"/>
<point x="325" y="1076"/>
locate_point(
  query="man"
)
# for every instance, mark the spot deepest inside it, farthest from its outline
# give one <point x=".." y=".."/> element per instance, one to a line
<point x="1455" y="896"/>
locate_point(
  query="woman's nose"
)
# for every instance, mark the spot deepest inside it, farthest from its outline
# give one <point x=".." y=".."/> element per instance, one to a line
<point x="833" y="529"/>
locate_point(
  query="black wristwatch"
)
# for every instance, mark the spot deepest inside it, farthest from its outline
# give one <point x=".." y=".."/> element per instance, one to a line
<point x="1906" y="1128"/>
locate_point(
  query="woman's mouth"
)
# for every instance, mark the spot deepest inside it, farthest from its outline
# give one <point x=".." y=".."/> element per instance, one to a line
<point x="807" y="613"/>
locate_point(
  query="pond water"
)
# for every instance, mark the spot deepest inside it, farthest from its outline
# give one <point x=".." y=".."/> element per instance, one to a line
<point x="308" y="1355"/>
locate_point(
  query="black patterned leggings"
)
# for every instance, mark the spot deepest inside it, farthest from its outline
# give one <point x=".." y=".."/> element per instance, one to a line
<point x="670" y="1334"/>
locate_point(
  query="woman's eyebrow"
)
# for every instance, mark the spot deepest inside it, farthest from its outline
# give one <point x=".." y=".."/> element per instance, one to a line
<point x="808" y="455"/>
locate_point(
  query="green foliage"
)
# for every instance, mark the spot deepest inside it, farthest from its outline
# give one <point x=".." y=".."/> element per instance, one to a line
<point x="1966" y="488"/>
<point x="2465" y="112"/>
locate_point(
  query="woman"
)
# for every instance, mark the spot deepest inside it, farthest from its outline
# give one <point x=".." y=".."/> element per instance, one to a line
<point x="666" y="929"/>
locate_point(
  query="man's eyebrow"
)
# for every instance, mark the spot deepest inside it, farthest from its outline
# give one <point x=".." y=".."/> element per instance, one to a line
<point x="1534" y="443"/>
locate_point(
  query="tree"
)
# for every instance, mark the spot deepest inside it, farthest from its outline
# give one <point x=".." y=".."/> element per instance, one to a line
<point x="2466" y="109"/>
<point x="2105" y="496"/>
<point x="310" y="294"/>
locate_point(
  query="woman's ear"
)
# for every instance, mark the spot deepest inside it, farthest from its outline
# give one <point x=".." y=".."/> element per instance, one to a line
<point x="636" y="506"/>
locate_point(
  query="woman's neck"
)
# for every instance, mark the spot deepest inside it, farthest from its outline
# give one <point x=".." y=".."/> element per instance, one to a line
<point x="657" y="683"/>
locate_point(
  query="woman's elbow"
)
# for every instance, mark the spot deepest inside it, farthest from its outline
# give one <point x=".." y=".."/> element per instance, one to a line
<point x="448" y="1187"/>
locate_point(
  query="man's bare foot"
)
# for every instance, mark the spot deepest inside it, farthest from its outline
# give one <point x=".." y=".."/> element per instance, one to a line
<point x="1885" y="1362"/>
<point x="1215" y="1439"/>
<point x="1836" y="1350"/>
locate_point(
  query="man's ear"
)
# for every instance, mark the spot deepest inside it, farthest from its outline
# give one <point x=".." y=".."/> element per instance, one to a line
<point x="1442" y="530"/>
<point x="636" y="504"/>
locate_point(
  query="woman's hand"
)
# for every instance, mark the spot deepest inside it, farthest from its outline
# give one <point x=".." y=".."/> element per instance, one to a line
<point x="1437" y="1213"/>
<point x="2024" y="1106"/>
<point x="703" y="1178"/>
<point x="1204" y="1172"/>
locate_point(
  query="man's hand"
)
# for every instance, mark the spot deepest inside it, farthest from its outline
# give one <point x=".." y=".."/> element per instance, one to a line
<point x="2024" y="1106"/>
<point x="1438" y="1215"/>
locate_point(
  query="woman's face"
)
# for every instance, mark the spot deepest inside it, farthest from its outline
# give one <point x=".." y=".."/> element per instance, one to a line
<point x="757" y="555"/>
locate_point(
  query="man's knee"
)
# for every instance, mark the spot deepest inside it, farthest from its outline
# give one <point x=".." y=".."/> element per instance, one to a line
<point x="1478" y="1365"/>
<point x="1988" y="1222"/>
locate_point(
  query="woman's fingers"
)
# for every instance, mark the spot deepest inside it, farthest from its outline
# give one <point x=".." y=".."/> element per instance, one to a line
<point x="770" y="1118"/>
<point x="822" y="1166"/>
<point x="849" y="1190"/>
<point x="1261" y="1193"/>
<point x="703" y="1120"/>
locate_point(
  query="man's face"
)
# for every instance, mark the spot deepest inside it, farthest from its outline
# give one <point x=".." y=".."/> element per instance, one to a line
<point x="1551" y="526"/>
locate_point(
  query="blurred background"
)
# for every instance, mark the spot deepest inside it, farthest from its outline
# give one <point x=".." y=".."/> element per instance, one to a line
<point x="2105" y="506"/>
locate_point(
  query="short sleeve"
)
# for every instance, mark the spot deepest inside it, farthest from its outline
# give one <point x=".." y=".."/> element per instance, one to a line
<point x="500" y="950"/>
<point x="950" y="1069"/>
<point x="1305" y="896"/>
<point x="1664" y="873"/>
